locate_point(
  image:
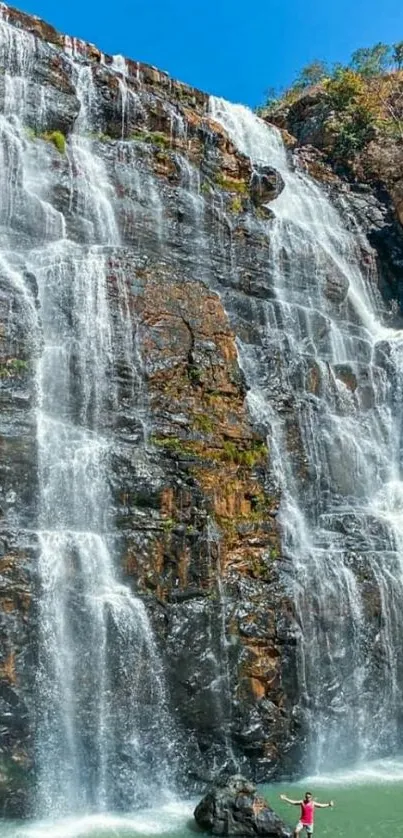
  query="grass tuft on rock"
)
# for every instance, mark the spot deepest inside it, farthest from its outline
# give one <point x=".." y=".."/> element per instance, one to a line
<point x="231" y="184"/>
<point x="57" y="138"/>
<point x="151" y="137"/>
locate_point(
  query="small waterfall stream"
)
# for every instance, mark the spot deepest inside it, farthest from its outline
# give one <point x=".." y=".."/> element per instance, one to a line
<point x="324" y="348"/>
<point x="104" y="736"/>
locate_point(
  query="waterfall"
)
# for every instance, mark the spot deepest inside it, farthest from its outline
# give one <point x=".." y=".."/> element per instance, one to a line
<point x="221" y="687"/>
<point x="324" y="350"/>
<point x="103" y="731"/>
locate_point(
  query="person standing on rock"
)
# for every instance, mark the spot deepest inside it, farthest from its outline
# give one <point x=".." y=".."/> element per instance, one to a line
<point x="308" y="806"/>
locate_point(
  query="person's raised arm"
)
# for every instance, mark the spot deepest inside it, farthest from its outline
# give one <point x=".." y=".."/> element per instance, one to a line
<point x="287" y="800"/>
<point x="324" y="805"/>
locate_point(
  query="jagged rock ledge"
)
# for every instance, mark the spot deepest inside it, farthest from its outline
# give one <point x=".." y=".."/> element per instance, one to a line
<point x="144" y="74"/>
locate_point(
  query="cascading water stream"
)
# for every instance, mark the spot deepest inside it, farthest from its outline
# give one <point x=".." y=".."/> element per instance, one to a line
<point x="104" y="736"/>
<point x="221" y="687"/>
<point x="323" y="346"/>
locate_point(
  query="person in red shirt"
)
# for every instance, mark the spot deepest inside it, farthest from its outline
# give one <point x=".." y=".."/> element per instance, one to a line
<point x="308" y="806"/>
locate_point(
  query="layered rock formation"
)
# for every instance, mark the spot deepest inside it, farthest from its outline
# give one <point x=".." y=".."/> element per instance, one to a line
<point x="195" y="513"/>
<point x="195" y="492"/>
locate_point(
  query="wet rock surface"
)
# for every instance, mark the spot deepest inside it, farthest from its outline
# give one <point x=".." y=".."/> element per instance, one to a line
<point x="266" y="185"/>
<point x="197" y="536"/>
<point x="232" y="807"/>
<point x="371" y="183"/>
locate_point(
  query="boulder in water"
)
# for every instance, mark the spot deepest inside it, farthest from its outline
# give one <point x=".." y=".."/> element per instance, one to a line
<point x="232" y="807"/>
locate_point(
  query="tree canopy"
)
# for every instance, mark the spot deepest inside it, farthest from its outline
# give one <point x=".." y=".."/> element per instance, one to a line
<point x="366" y="62"/>
<point x="370" y="61"/>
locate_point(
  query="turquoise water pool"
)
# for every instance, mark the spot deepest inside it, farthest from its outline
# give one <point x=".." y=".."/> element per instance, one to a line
<point x="368" y="804"/>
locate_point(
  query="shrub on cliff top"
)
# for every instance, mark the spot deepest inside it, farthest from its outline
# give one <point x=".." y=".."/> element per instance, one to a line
<point x="344" y="88"/>
<point x="398" y="55"/>
<point x="365" y="63"/>
<point x="364" y="106"/>
<point x="312" y="74"/>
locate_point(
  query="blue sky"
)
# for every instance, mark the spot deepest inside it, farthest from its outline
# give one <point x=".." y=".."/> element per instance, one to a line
<point x="227" y="47"/>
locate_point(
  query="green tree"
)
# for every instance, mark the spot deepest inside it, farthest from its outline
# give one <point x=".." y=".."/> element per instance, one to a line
<point x="398" y="55"/>
<point x="345" y="88"/>
<point x="312" y="74"/>
<point x="371" y="61"/>
<point x="273" y="96"/>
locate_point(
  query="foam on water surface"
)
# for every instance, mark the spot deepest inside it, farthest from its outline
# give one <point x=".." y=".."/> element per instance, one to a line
<point x="168" y="818"/>
<point x="381" y="771"/>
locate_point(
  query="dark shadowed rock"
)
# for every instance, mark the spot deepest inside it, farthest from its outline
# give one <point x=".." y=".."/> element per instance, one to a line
<point x="232" y="807"/>
<point x="266" y="185"/>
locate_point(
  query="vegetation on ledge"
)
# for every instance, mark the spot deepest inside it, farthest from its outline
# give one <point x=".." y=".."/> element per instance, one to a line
<point x="57" y="138"/>
<point x="13" y="367"/>
<point x="231" y="184"/>
<point x="361" y="101"/>
<point x="152" y="137"/>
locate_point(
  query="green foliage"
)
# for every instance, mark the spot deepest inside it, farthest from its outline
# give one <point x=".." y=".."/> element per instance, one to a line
<point x="365" y="63"/>
<point x="352" y="137"/>
<point x="158" y="138"/>
<point x="273" y="98"/>
<point x="251" y="457"/>
<point x="204" y="423"/>
<point x="191" y="530"/>
<point x="392" y="128"/>
<point x="194" y="374"/>
<point x="312" y="74"/>
<point x="103" y="137"/>
<point x="138" y="136"/>
<point x="230" y="184"/>
<point x="169" y="443"/>
<point x="172" y="445"/>
<point x="344" y="88"/>
<point x="257" y="454"/>
<point x="13" y="367"/>
<point x="258" y="568"/>
<point x="356" y="112"/>
<point x="236" y="204"/>
<point x="371" y="61"/>
<point x="231" y="452"/>
<point x="152" y="137"/>
<point x="57" y="138"/>
<point x="398" y="55"/>
<point x="206" y="188"/>
<point x="167" y="525"/>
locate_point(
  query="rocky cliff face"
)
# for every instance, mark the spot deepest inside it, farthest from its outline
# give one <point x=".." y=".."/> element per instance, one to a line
<point x="371" y="174"/>
<point x="193" y="502"/>
<point x="195" y="496"/>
